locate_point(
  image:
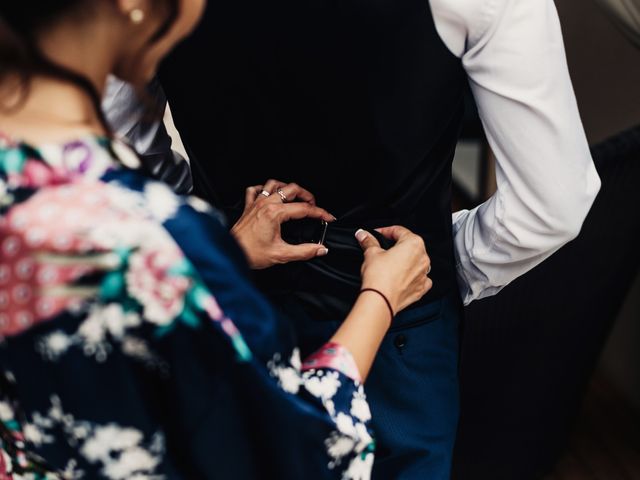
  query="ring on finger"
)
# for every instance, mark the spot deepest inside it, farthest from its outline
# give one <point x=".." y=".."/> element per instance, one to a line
<point x="265" y="193"/>
<point x="283" y="197"/>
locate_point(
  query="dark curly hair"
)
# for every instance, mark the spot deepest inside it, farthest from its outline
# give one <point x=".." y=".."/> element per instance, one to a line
<point x="20" y="57"/>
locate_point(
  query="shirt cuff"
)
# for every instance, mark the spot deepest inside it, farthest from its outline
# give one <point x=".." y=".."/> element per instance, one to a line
<point x="335" y="357"/>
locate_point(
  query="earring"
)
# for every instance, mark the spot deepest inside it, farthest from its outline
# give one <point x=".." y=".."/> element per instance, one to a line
<point x="136" y="16"/>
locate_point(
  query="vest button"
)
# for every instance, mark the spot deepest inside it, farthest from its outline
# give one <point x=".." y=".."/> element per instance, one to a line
<point x="400" y="341"/>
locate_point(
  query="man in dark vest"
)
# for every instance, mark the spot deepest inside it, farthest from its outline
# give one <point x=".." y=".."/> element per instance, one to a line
<point x="361" y="102"/>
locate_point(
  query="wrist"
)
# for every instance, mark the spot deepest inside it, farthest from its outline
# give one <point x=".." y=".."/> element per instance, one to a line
<point x="246" y="248"/>
<point x="387" y="291"/>
<point x="382" y="300"/>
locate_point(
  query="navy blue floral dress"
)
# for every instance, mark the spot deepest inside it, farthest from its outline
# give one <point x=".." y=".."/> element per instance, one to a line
<point x="134" y="346"/>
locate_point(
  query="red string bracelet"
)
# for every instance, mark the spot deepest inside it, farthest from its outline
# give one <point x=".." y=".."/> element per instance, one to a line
<point x="384" y="297"/>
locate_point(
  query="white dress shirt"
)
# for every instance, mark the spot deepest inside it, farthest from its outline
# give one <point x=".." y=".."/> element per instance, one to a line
<point x="513" y="53"/>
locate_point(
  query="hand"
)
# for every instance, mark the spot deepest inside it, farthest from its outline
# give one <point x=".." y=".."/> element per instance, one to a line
<point x="258" y="230"/>
<point x="400" y="272"/>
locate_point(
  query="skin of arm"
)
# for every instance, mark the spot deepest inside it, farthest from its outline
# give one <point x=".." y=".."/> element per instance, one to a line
<point x="363" y="330"/>
<point x="400" y="274"/>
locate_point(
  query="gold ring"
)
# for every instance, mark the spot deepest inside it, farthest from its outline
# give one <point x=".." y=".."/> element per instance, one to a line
<point x="282" y="195"/>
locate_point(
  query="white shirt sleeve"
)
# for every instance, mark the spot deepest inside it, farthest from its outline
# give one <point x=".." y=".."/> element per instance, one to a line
<point x="513" y="53"/>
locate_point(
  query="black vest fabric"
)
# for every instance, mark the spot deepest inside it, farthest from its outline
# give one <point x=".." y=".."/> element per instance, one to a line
<point x="358" y="101"/>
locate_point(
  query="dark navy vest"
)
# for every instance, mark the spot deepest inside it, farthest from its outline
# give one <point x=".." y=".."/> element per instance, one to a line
<point x="359" y="101"/>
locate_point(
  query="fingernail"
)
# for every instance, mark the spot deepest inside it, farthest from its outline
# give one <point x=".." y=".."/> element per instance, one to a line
<point x="333" y="218"/>
<point x="361" y="235"/>
<point x="322" y="252"/>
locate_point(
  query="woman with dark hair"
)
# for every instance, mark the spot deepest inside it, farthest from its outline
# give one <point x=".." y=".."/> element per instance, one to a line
<point x="134" y="345"/>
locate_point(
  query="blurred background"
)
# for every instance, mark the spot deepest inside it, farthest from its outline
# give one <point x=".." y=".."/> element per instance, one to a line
<point x="552" y="390"/>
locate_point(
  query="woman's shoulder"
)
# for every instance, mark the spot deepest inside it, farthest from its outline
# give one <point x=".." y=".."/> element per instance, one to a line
<point x="108" y="168"/>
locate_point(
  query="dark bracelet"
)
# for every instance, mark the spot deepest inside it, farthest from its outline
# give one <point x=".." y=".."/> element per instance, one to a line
<point x="384" y="297"/>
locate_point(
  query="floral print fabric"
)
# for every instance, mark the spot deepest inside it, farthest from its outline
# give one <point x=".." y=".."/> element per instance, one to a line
<point x="334" y="356"/>
<point x="134" y="346"/>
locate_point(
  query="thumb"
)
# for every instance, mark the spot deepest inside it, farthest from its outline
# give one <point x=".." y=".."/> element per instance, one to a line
<point x="305" y="251"/>
<point x="366" y="240"/>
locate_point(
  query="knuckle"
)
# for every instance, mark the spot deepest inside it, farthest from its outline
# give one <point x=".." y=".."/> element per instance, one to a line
<point x="271" y="210"/>
<point x="278" y="257"/>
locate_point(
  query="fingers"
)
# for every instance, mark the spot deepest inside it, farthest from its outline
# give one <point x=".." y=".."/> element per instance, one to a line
<point x="297" y="253"/>
<point x="396" y="233"/>
<point x="297" y="211"/>
<point x="293" y="191"/>
<point x="402" y="235"/>
<point x="251" y="194"/>
<point x="272" y="185"/>
<point x="366" y="240"/>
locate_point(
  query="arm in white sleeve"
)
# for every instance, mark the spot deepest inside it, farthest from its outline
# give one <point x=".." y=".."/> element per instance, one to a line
<point x="515" y="59"/>
<point x="140" y="122"/>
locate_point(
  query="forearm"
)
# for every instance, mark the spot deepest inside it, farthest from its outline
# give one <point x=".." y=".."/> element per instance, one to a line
<point x="363" y="330"/>
<point x="520" y="227"/>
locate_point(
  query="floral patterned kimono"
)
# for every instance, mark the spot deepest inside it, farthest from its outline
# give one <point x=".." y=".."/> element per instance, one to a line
<point x="134" y="346"/>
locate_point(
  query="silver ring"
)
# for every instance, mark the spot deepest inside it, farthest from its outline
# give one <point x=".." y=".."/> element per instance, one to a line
<point x="282" y="195"/>
<point x="265" y="193"/>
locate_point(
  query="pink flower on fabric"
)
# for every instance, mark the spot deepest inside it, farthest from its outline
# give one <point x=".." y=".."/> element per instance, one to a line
<point x="5" y="464"/>
<point x="36" y="174"/>
<point x="336" y="357"/>
<point x="150" y="281"/>
<point x="212" y="308"/>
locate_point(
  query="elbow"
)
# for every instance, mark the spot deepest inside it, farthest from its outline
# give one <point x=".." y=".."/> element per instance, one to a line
<point x="570" y="230"/>
<point x="573" y="210"/>
<point x="568" y="222"/>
